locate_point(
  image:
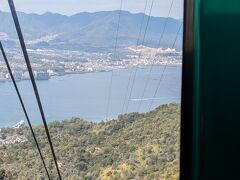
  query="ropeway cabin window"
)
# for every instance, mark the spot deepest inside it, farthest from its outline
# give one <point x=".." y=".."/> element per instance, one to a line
<point x="91" y="90"/>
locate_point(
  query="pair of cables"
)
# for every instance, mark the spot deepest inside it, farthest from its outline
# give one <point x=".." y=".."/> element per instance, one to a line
<point x="23" y="107"/>
<point x="139" y="57"/>
<point x="137" y="46"/>
<point x="158" y="46"/>
<point x="152" y="64"/>
<point x="29" y="67"/>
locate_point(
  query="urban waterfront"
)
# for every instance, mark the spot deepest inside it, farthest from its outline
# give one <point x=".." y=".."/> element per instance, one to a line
<point x="85" y="95"/>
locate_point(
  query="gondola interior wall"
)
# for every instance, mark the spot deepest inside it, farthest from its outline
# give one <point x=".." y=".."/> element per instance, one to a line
<point x="216" y="88"/>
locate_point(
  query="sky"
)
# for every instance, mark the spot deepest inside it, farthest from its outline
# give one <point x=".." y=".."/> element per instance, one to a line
<point x="70" y="7"/>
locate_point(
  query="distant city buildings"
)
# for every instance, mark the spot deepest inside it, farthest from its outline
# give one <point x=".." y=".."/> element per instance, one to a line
<point x="47" y="63"/>
<point x="41" y="75"/>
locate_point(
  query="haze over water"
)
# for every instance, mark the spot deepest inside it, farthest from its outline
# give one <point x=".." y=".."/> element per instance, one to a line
<point x="85" y="95"/>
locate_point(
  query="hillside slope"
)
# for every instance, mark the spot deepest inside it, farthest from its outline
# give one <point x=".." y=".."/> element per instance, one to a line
<point x="136" y="146"/>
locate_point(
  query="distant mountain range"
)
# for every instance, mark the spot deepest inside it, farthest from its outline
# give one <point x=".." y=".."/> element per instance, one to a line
<point x="87" y="31"/>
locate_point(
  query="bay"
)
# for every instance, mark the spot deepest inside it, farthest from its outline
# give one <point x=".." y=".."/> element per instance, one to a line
<point x="86" y="95"/>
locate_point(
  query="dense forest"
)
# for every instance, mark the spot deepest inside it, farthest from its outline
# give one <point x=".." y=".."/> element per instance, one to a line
<point x="135" y="146"/>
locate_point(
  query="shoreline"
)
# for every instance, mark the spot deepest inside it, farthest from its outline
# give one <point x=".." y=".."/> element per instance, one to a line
<point x="25" y="124"/>
<point x="99" y="71"/>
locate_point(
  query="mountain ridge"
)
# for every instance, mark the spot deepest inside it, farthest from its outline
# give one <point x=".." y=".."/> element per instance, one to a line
<point x="87" y="30"/>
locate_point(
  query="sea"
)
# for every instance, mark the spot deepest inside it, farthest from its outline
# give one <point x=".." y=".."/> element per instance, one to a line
<point x="90" y="95"/>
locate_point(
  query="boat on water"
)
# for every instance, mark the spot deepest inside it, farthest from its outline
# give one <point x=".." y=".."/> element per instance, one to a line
<point x="19" y="124"/>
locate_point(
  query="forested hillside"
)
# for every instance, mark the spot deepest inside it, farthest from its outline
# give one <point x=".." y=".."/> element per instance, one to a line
<point x="135" y="146"/>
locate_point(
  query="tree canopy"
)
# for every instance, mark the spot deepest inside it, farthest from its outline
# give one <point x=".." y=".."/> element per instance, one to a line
<point x="134" y="146"/>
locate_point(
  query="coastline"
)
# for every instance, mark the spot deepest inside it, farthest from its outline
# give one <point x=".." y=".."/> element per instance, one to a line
<point x="87" y="72"/>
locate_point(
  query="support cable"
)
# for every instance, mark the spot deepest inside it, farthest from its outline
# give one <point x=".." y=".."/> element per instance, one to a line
<point x="164" y="69"/>
<point x="138" y="39"/>
<point x="158" y="46"/>
<point x="29" y="67"/>
<point x="114" y="58"/>
<point x="23" y="107"/>
<point x="139" y="56"/>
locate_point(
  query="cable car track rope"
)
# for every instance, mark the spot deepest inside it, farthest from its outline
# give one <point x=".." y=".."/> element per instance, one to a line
<point x="29" y="67"/>
<point x="23" y="107"/>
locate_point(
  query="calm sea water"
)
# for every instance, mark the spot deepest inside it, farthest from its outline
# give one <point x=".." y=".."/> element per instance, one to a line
<point x="85" y="95"/>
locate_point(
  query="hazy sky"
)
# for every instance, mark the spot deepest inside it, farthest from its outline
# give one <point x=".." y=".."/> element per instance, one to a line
<point x="69" y="7"/>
